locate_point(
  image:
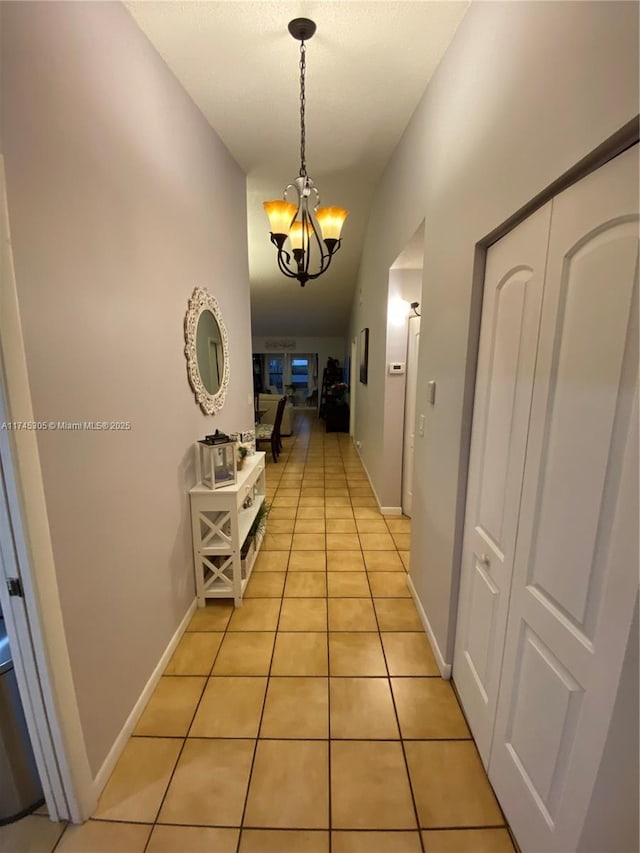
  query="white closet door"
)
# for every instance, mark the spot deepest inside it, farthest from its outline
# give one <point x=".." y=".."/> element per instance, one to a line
<point x="506" y="361"/>
<point x="575" y="576"/>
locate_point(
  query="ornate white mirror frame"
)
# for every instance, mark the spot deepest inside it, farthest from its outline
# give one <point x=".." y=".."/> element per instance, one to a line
<point x="202" y="301"/>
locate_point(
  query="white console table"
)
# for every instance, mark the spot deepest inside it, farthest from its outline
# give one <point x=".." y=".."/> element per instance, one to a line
<point x="220" y="524"/>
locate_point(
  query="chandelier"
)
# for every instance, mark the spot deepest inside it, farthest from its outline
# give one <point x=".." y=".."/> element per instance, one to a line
<point x="313" y="232"/>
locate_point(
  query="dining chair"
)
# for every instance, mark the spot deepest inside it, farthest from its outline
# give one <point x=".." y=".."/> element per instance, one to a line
<point x="270" y="433"/>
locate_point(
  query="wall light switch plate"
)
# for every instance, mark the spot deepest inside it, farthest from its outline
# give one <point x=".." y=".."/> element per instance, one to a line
<point x="431" y="392"/>
<point x="421" y="425"/>
<point x="398" y="367"/>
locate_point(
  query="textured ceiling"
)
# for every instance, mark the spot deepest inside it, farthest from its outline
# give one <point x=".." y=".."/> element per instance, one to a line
<point x="367" y="67"/>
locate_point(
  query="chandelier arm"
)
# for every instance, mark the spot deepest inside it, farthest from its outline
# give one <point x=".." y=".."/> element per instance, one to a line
<point x="323" y="268"/>
<point x="318" y="237"/>
<point x="307" y="237"/>
<point x="319" y="242"/>
<point x="282" y="265"/>
<point x="314" y="189"/>
<point x="299" y="200"/>
<point x="291" y="187"/>
<point x="328" y="257"/>
<point x="281" y="250"/>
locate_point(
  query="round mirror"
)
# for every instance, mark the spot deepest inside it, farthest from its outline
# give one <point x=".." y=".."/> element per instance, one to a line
<point x="207" y="351"/>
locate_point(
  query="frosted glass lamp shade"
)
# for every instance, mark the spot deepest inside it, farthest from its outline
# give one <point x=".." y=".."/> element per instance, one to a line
<point x="331" y="220"/>
<point x="296" y="235"/>
<point x="280" y="215"/>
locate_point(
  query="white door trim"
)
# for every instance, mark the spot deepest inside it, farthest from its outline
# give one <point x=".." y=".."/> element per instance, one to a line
<point x="410" y="413"/>
<point x="39" y="646"/>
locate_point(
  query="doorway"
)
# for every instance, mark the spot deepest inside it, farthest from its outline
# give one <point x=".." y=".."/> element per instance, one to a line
<point x="353" y="386"/>
<point x="32" y="612"/>
<point x="403" y="343"/>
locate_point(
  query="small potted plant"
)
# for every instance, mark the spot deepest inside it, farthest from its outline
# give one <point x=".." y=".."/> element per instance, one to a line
<point x="242" y="451"/>
<point x="254" y="537"/>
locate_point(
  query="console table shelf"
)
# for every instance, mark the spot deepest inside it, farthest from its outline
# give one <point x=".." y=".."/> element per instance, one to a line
<point x="220" y="523"/>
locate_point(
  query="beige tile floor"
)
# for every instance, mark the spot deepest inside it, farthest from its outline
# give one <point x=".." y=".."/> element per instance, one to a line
<point x="312" y="719"/>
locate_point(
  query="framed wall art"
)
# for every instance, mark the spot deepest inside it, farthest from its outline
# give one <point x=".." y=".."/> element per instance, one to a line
<point x="364" y="355"/>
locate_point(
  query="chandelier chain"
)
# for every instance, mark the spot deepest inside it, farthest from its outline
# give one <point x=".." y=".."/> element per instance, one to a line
<point x="303" y="129"/>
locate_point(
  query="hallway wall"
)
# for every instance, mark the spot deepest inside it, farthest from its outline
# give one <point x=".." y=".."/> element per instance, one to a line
<point x="517" y="100"/>
<point x="121" y="200"/>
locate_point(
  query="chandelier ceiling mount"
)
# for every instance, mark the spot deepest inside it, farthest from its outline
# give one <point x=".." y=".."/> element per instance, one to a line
<point x="302" y="28"/>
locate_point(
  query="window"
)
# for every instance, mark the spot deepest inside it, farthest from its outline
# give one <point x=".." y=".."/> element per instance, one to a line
<point x="300" y="372"/>
<point x="275" y="373"/>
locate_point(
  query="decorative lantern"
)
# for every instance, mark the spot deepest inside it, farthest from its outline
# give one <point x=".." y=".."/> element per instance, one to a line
<point x="216" y="462"/>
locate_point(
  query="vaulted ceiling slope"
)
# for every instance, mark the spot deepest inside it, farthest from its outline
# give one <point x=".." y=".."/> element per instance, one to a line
<point x="367" y="67"/>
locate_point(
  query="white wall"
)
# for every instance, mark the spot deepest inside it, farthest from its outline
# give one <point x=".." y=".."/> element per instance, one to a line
<point x="121" y="201"/>
<point x="524" y="92"/>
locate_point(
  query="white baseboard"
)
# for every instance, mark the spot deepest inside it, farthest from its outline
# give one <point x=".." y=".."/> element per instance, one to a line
<point x="102" y="776"/>
<point x="445" y="668"/>
<point x="385" y="510"/>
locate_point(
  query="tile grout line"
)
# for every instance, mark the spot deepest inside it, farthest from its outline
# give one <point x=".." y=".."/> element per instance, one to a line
<point x="63" y="833"/>
<point x="329" y="741"/>
<point x="326" y="598"/>
<point x="269" y="676"/>
<point x="257" y="738"/>
<point x="400" y="735"/>
<point x="348" y="739"/>
<point x="329" y="676"/>
<point x="186" y="737"/>
<point x="264" y="702"/>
